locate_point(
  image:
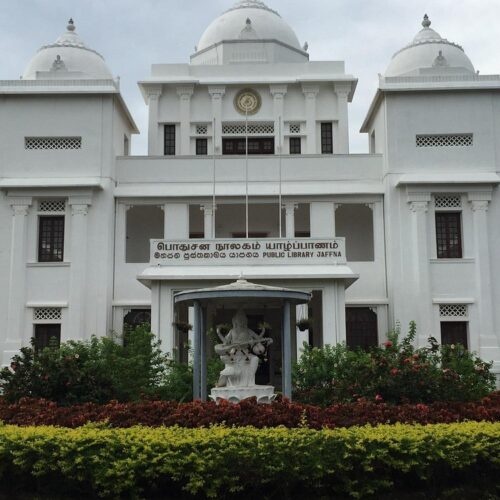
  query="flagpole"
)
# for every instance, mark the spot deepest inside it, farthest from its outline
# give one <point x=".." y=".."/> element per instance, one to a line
<point x="280" y="194"/>
<point x="213" y="180"/>
<point x="246" y="171"/>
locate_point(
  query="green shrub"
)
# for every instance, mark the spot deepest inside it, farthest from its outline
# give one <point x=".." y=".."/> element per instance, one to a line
<point x="96" y="370"/>
<point x="222" y="462"/>
<point x="396" y="372"/>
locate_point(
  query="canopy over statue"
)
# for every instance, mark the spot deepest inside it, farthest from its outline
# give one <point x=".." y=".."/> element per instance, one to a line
<point x="241" y="347"/>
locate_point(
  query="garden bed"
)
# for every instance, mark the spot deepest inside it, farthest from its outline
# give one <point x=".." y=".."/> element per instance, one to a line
<point x="290" y="414"/>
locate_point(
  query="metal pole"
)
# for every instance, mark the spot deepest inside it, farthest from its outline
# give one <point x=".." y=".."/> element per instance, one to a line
<point x="197" y="351"/>
<point x="246" y="172"/>
<point x="203" y="349"/>
<point x="287" y="352"/>
<point x="213" y="180"/>
<point x="280" y="145"/>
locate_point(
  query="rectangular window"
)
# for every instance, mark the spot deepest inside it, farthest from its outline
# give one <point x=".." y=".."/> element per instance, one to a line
<point x="169" y="140"/>
<point x="454" y="332"/>
<point x="361" y="327"/>
<point x="47" y="335"/>
<point x="326" y="138"/>
<point x="50" y="238"/>
<point x="201" y="147"/>
<point x="449" y="235"/>
<point x="256" y="146"/>
<point x="295" y="145"/>
<point x="126" y="147"/>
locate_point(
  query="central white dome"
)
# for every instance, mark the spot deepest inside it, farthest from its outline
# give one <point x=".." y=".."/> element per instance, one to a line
<point x="249" y="19"/>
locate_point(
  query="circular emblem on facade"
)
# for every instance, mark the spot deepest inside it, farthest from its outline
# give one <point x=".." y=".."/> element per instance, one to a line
<point x="247" y="102"/>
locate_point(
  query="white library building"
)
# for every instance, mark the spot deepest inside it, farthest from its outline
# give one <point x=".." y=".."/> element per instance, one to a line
<point x="248" y="176"/>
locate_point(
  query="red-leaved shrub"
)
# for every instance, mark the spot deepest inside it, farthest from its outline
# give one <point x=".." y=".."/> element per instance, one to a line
<point x="248" y="412"/>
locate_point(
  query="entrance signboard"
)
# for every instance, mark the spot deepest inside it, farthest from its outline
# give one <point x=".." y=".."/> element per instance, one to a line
<point x="239" y="252"/>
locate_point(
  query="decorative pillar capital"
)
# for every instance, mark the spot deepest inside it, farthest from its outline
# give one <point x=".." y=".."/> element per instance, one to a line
<point x="216" y="91"/>
<point x="342" y="89"/>
<point x="419" y="206"/>
<point x="310" y="91"/>
<point x="208" y="209"/>
<point x="419" y="201"/>
<point x="185" y="92"/>
<point x="20" y="205"/>
<point x="278" y="91"/>
<point x="479" y="205"/>
<point x="153" y="93"/>
<point x="79" y="204"/>
<point x="479" y="200"/>
<point x="290" y="207"/>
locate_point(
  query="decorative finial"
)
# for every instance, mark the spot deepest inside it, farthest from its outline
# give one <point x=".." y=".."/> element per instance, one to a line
<point x="305" y="47"/>
<point x="426" y="22"/>
<point x="71" y="25"/>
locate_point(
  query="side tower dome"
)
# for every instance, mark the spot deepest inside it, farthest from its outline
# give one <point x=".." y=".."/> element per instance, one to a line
<point x="242" y="26"/>
<point x="67" y="57"/>
<point x="429" y="53"/>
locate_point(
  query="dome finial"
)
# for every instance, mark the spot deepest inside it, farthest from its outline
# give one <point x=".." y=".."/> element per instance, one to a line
<point x="426" y="22"/>
<point x="71" y="25"/>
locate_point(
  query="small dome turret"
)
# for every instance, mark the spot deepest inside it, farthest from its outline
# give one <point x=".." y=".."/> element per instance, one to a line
<point x="67" y="57"/>
<point x="428" y="51"/>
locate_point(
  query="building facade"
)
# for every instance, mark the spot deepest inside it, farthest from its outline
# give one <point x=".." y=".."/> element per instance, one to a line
<point x="248" y="144"/>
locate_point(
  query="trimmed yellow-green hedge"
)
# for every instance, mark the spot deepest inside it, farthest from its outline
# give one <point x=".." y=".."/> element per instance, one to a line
<point x="142" y="461"/>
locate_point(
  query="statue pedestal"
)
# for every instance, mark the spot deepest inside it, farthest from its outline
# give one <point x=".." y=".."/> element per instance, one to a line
<point x="263" y="393"/>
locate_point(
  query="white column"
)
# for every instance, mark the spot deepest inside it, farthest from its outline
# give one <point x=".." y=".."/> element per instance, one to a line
<point x="121" y="233"/>
<point x="322" y="219"/>
<point x="487" y="342"/>
<point x="278" y="92"/>
<point x="290" y="208"/>
<point x="310" y="92"/>
<point x="78" y="269"/>
<point x="208" y="220"/>
<point x="342" y="90"/>
<point x="176" y="221"/>
<point x="166" y="331"/>
<point x="378" y="231"/>
<point x="217" y="93"/>
<point x="17" y="278"/>
<point x="153" y="132"/>
<point x="421" y="291"/>
<point x="185" y="92"/>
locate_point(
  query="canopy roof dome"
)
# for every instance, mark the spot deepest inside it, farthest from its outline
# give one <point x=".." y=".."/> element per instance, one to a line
<point x="67" y="57"/>
<point x="249" y="19"/>
<point x="429" y="50"/>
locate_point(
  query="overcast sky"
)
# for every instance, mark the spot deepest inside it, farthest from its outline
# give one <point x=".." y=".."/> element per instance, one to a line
<point x="133" y="34"/>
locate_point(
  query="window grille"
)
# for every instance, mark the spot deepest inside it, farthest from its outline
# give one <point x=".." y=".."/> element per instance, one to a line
<point x="443" y="140"/>
<point x="52" y="206"/>
<point x="295" y="146"/>
<point x="453" y="311"/>
<point x="449" y="235"/>
<point x="326" y="138"/>
<point x="295" y="128"/>
<point x="240" y="129"/>
<point x="448" y="201"/>
<point x="52" y="143"/>
<point x="201" y="146"/>
<point x="50" y="238"/>
<point x="47" y="314"/>
<point x="169" y="132"/>
<point x="201" y="129"/>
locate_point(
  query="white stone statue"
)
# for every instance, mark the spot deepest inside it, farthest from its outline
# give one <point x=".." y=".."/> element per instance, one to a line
<point x="239" y="351"/>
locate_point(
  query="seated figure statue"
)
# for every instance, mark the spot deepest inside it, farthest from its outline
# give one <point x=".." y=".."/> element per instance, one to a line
<point x="239" y="352"/>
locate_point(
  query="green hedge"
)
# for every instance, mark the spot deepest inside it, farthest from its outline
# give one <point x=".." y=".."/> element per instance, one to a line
<point x="280" y="463"/>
